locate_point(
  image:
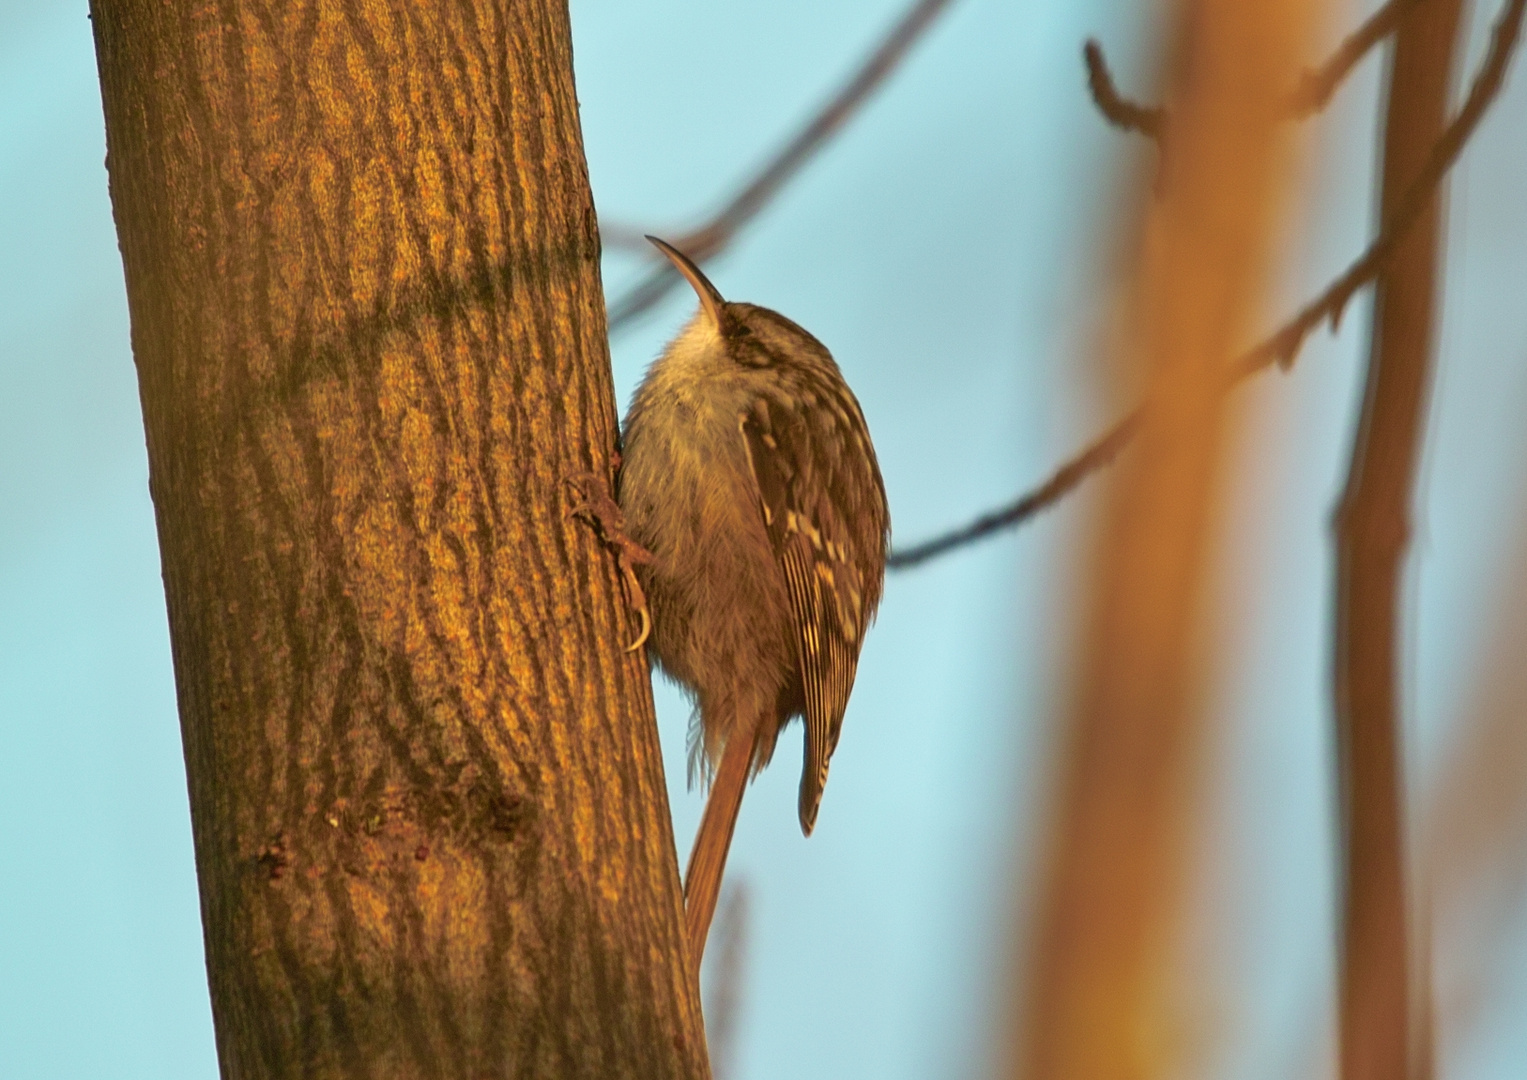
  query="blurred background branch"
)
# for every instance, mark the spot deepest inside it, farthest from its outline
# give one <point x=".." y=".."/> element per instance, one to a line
<point x="1313" y="93"/>
<point x="1283" y="345"/>
<point x="1317" y="85"/>
<point x="1408" y="203"/>
<point x="1115" y="107"/>
<point x="727" y="975"/>
<point x="1384" y="1033"/>
<point x="713" y="237"/>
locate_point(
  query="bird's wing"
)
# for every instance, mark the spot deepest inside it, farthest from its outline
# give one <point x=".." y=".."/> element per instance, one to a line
<point x="824" y="510"/>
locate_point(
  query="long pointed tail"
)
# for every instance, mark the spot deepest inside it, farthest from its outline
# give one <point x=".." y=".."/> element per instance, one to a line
<point x="702" y="880"/>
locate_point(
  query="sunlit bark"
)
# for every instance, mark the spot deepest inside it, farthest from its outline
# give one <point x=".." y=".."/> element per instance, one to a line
<point x="431" y="828"/>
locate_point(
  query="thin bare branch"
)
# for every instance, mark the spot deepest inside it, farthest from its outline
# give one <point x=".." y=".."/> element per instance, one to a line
<point x="1117" y="109"/>
<point x="717" y="233"/>
<point x="1062" y="483"/>
<point x="1318" y="84"/>
<point x="1383" y="996"/>
<point x="1283" y="346"/>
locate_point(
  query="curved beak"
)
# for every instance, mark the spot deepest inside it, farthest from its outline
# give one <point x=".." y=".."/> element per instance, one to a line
<point x="710" y="300"/>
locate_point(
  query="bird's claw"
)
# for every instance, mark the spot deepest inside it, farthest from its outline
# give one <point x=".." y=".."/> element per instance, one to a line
<point x="604" y="515"/>
<point x="641" y="610"/>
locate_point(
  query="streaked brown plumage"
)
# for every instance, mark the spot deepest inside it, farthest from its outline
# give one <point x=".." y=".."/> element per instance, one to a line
<point x="749" y="475"/>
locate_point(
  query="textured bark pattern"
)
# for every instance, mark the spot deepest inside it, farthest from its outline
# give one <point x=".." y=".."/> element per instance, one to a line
<point x="1373" y="534"/>
<point x="431" y="829"/>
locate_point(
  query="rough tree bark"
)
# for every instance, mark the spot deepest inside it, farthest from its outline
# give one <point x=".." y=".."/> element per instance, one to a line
<point x="1098" y="986"/>
<point x="431" y="829"/>
<point x="1373" y="534"/>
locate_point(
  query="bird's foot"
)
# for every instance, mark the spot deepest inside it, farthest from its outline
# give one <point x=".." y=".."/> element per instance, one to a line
<point x="602" y="513"/>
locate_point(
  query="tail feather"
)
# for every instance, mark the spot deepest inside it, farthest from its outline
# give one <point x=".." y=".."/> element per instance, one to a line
<point x="820" y="742"/>
<point x="707" y="860"/>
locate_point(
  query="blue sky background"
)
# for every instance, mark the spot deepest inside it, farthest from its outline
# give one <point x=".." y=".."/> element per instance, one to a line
<point x="943" y="248"/>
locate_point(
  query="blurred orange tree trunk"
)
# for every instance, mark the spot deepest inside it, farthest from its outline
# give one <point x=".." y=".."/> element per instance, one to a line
<point x="431" y="829"/>
<point x="1099" y="989"/>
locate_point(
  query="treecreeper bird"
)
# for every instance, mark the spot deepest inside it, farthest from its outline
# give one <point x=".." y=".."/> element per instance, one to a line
<point x="749" y="477"/>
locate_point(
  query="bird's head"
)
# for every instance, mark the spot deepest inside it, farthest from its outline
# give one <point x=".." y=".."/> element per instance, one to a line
<point x="742" y="336"/>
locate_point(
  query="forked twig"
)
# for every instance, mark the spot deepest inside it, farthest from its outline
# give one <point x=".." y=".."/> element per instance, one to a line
<point x="1311" y="95"/>
<point x="1318" y="84"/>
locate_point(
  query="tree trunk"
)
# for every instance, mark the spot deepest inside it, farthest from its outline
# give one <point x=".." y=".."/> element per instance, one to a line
<point x="1373" y="533"/>
<point x="1099" y="995"/>
<point x="432" y="834"/>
